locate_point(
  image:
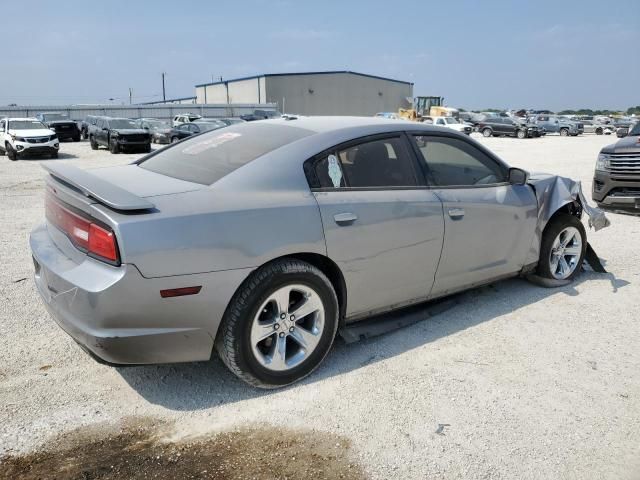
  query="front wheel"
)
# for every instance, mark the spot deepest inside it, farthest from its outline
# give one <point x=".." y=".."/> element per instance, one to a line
<point x="564" y="132"/>
<point x="114" y="147"/>
<point x="279" y="325"/>
<point x="92" y="142"/>
<point x="11" y="153"/>
<point x="486" y="132"/>
<point x="564" y="243"/>
<point x="521" y="134"/>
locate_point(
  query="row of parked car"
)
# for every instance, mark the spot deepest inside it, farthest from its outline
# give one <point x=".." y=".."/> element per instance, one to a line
<point x="118" y="134"/>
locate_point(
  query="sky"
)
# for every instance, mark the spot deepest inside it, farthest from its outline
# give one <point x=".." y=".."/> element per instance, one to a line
<point x="477" y="54"/>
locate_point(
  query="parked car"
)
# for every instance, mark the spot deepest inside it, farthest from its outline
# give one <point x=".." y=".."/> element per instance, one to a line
<point x="160" y="130"/>
<point x="185" y="118"/>
<point x="450" y="122"/>
<point x="599" y="129"/>
<point x="191" y="250"/>
<point x="616" y="182"/>
<point x="119" y="134"/>
<point x="261" y="115"/>
<point x="65" y="128"/>
<point x="187" y="129"/>
<point x="553" y="124"/>
<point x="504" y="126"/>
<point x="85" y="124"/>
<point x="27" y="136"/>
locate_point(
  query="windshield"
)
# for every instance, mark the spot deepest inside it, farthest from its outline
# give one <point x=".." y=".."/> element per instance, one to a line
<point x="208" y="157"/>
<point x="26" y="125"/>
<point x="158" y="124"/>
<point x="450" y="120"/>
<point x="635" y="130"/>
<point x="206" y="126"/>
<point x="122" y="123"/>
<point x="51" y="117"/>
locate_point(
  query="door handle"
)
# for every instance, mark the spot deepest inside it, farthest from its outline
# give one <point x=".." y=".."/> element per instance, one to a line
<point x="456" y="213"/>
<point x="346" y="218"/>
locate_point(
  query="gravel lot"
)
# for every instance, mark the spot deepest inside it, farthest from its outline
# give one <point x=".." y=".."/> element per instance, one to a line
<point x="516" y="381"/>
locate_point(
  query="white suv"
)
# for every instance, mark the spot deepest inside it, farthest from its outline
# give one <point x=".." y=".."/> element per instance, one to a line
<point x="27" y="136"/>
<point x="185" y="118"/>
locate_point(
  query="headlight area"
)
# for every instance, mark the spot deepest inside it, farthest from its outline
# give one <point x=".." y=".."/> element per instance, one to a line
<point x="603" y="162"/>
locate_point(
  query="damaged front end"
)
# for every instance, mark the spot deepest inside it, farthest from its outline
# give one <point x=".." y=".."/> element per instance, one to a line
<point x="561" y="194"/>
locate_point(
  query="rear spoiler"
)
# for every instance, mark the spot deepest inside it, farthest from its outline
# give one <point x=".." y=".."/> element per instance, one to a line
<point x="94" y="187"/>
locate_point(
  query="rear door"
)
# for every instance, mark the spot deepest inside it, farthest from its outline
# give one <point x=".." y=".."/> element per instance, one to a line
<point x="489" y="223"/>
<point x="383" y="226"/>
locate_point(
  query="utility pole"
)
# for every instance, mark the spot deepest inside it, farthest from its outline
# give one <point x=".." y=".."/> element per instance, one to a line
<point x="164" y="97"/>
<point x="130" y="96"/>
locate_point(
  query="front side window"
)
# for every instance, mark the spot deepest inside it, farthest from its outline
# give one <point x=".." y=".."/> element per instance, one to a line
<point x="453" y="162"/>
<point x="385" y="162"/>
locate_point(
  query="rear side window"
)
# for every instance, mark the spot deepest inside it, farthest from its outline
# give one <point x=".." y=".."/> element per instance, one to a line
<point x="207" y="158"/>
<point x="378" y="163"/>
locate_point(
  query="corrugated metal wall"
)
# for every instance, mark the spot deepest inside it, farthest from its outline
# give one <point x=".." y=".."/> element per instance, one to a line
<point x="79" y="112"/>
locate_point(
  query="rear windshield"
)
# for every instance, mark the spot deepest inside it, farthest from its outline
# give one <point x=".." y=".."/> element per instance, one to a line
<point x="208" y="157"/>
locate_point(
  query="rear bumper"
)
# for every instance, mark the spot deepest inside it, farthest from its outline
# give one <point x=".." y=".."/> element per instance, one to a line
<point x="616" y="193"/>
<point x="119" y="316"/>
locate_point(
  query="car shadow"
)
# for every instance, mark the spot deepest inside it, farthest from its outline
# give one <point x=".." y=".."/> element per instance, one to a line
<point x="47" y="158"/>
<point x="196" y="386"/>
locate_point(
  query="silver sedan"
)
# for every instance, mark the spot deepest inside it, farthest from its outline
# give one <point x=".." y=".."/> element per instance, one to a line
<point x="260" y="240"/>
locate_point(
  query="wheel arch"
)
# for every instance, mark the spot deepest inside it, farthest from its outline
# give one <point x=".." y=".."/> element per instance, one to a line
<point x="326" y="266"/>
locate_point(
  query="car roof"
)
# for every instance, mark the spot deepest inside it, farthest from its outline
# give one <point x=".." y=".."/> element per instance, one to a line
<point x="330" y="124"/>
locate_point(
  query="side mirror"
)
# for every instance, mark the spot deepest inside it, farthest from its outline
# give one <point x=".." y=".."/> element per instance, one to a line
<point x="517" y="176"/>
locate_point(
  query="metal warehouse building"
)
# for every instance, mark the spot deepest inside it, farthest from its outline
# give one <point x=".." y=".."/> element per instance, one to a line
<point x="313" y="93"/>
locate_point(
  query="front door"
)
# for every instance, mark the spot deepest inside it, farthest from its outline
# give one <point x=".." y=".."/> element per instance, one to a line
<point x="383" y="226"/>
<point x="489" y="223"/>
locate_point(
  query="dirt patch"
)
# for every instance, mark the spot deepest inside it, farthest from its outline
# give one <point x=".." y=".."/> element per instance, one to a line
<point x="137" y="451"/>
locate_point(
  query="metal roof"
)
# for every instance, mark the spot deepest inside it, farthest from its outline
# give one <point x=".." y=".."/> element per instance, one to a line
<point x="303" y="73"/>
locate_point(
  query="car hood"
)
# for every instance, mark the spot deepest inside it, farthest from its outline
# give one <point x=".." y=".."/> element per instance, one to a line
<point x="42" y="132"/>
<point x="144" y="183"/>
<point x="625" y="145"/>
<point x="129" y="131"/>
<point x="61" y="122"/>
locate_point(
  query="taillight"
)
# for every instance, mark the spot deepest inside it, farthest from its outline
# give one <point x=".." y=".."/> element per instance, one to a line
<point x="83" y="233"/>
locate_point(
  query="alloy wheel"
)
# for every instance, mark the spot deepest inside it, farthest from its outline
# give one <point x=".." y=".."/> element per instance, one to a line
<point x="287" y="328"/>
<point x="565" y="253"/>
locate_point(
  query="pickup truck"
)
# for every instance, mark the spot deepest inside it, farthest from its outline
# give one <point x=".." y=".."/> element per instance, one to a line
<point x="118" y="134"/>
<point x="559" y="125"/>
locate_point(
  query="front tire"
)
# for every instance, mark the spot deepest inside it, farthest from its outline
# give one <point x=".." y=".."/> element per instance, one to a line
<point x="92" y="142"/>
<point x="564" y="243"/>
<point x="564" y="132"/>
<point x="114" y="147"/>
<point x="11" y="153"/>
<point x="521" y="134"/>
<point x="279" y="325"/>
<point x="487" y="132"/>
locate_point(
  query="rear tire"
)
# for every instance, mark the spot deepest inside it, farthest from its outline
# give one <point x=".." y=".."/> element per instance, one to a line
<point x="598" y="131"/>
<point x="77" y="139"/>
<point x="557" y="262"/>
<point x="54" y="155"/>
<point x="245" y="342"/>
<point x="147" y="148"/>
<point x="487" y="132"/>
<point x="175" y="139"/>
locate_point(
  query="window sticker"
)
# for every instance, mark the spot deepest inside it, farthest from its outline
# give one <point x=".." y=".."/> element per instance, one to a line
<point x="334" y="171"/>
<point x="210" y="143"/>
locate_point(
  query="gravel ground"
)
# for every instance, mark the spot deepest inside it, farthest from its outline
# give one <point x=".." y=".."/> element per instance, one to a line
<point x="516" y="381"/>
